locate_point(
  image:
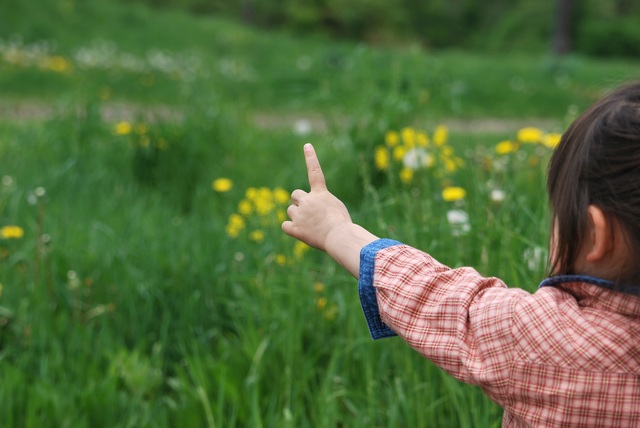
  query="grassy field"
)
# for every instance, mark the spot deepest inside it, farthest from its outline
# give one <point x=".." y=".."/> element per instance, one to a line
<point x="146" y="164"/>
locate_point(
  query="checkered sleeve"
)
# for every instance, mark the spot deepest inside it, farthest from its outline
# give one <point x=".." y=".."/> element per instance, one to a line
<point x="457" y="318"/>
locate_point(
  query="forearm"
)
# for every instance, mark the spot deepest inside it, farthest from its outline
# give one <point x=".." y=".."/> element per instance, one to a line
<point x="344" y="243"/>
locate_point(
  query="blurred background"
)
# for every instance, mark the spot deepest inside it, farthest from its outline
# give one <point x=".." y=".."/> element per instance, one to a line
<point x="603" y="28"/>
<point x="147" y="153"/>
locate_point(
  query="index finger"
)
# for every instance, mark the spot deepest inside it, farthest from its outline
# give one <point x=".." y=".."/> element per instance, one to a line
<point x="316" y="177"/>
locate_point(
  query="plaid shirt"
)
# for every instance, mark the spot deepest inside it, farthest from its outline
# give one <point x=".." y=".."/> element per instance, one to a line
<point x="566" y="356"/>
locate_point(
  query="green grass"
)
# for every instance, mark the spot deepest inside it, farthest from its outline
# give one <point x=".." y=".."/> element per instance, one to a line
<point x="126" y="303"/>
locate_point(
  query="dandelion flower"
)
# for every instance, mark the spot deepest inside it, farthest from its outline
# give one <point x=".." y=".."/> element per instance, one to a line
<point x="299" y="249"/>
<point x="281" y="260"/>
<point x="453" y="193"/>
<point x="222" y="185"/>
<point x="459" y="222"/>
<point x="302" y="127"/>
<point x="450" y="165"/>
<point x="398" y="152"/>
<point x="382" y="158"/>
<point x="498" y="195"/>
<point x="123" y="128"/>
<point x="235" y="225"/>
<point x="321" y="303"/>
<point x="529" y="135"/>
<point x="506" y="147"/>
<point x="251" y="193"/>
<point x="551" y="140"/>
<point x="422" y="139"/>
<point x="440" y="135"/>
<point x="57" y="63"/>
<point x="318" y="287"/>
<point x="281" y="196"/>
<point x="392" y="139"/>
<point x="406" y="175"/>
<point x="408" y="137"/>
<point x="264" y="206"/>
<point x="11" y="232"/>
<point x="256" y="235"/>
<point x="416" y="158"/>
<point x="245" y="207"/>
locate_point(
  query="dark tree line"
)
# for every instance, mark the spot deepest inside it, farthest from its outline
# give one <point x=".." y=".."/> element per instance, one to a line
<point x="593" y="27"/>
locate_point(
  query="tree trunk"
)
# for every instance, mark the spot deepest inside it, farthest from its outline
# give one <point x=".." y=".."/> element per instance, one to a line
<point x="248" y="11"/>
<point x="561" y="44"/>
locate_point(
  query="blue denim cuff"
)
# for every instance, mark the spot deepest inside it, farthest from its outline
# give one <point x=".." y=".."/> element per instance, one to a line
<point x="367" y="292"/>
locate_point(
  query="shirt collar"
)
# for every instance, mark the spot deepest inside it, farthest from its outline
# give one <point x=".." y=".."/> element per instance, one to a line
<point x="609" y="285"/>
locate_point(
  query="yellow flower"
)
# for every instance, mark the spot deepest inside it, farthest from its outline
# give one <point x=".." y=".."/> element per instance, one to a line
<point x="422" y="139"/>
<point x="264" y="206"/>
<point x="450" y="164"/>
<point x="406" y="175"/>
<point x="235" y="225"/>
<point x="440" y="135"/>
<point x="505" y="147"/>
<point x="529" y="135"/>
<point x="251" y="193"/>
<point x="321" y="303"/>
<point x="453" y="193"/>
<point x="551" y="140"/>
<point x="11" y="232"/>
<point x="222" y="184"/>
<point x="299" y="249"/>
<point x="382" y="158"/>
<point x="281" y="196"/>
<point x="56" y="63"/>
<point x="318" y="287"/>
<point x="399" y="152"/>
<point x="281" y="215"/>
<point x="408" y="137"/>
<point x="123" y="128"/>
<point x="256" y="235"/>
<point x="392" y="139"/>
<point x="281" y="259"/>
<point x="245" y="207"/>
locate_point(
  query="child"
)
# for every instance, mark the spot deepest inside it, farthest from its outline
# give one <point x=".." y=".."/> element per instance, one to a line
<point x="565" y="356"/>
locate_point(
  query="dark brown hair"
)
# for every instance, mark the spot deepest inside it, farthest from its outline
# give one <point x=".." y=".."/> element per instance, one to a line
<point x="598" y="162"/>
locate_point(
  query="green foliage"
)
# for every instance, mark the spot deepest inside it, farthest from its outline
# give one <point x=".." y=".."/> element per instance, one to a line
<point x="125" y="302"/>
<point x="608" y="38"/>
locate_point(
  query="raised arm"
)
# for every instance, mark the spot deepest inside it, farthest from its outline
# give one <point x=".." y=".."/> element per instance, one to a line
<point x="322" y="221"/>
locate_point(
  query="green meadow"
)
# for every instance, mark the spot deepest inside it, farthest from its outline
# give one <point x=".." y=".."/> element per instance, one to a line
<point x="146" y="159"/>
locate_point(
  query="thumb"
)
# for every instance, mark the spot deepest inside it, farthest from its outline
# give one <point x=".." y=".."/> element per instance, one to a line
<point x="316" y="177"/>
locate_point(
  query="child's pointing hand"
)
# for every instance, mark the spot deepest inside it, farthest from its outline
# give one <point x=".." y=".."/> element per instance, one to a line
<point x="321" y="220"/>
<point x="316" y="214"/>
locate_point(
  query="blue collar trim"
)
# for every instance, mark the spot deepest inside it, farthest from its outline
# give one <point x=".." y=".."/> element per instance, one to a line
<point x="609" y="285"/>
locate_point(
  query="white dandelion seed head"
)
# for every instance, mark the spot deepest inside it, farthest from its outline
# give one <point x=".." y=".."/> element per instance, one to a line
<point x="302" y="127"/>
<point x="459" y="222"/>
<point x="498" y="195"/>
<point x="416" y="158"/>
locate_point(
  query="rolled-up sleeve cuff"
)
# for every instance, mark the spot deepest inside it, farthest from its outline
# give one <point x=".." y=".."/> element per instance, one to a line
<point x="367" y="292"/>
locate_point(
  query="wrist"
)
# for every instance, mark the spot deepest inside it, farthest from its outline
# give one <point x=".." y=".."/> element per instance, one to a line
<point x="344" y="243"/>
